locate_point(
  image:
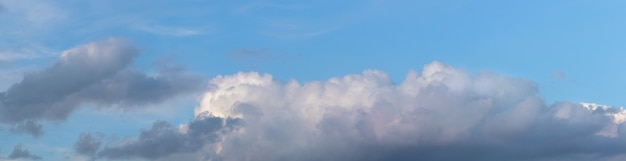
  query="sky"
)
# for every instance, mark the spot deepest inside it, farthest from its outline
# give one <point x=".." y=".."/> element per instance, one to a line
<point x="320" y="80"/>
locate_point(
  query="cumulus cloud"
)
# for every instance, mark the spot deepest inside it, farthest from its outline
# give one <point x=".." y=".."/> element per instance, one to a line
<point x="98" y="73"/>
<point x="164" y="140"/>
<point x="21" y="153"/>
<point x="442" y="113"/>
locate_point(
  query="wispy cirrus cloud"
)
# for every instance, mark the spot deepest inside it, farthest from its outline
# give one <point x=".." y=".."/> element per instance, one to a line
<point x="172" y="31"/>
<point x="284" y="26"/>
<point x="32" y="13"/>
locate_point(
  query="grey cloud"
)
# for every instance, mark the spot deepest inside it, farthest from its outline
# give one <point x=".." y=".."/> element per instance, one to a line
<point x="28" y="127"/>
<point x="19" y="152"/>
<point x="165" y="140"/>
<point x="544" y="139"/>
<point x="47" y="94"/>
<point x="131" y="88"/>
<point x="97" y="73"/>
<point x="87" y="144"/>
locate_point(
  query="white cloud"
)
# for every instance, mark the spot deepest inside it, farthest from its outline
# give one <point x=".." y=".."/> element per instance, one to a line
<point x="442" y="109"/>
<point x="442" y="113"/>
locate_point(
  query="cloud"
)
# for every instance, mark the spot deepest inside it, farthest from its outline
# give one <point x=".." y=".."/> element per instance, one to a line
<point x="442" y="113"/>
<point x="558" y="75"/>
<point x="87" y="144"/>
<point x="253" y="57"/>
<point x="164" y="140"/>
<point x="327" y="19"/>
<point x="28" y="127"/>
<point x="23" y="19"/>
<point x="251" y="53"/>
<point x="99" y="73"/>
<point x="8" y="56"/>
<point x="19" y="152"/>
<point x="171" y="31"/>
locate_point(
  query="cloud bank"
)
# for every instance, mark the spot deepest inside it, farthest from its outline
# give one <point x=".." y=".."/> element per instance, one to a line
<point x="98" y="73"/>
<point x="442" y="113"/>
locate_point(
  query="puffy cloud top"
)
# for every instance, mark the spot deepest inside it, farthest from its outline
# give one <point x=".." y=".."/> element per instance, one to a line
<point x="442" y="113"/>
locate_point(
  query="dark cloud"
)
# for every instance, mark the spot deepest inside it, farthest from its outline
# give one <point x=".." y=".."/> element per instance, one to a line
<point x="49" y="94"/>
<point x="131" y="88"/>
<point x="164" y="140"/>
<point x="87" y="144"/>
<point x="545" y="139"/>
<point x="28" y="127"/>
<point x="19" y="152"/>
<point x="97" y="73"/>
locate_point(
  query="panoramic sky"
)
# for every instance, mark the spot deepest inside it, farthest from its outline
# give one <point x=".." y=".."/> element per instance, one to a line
<point x="353" y="80"/>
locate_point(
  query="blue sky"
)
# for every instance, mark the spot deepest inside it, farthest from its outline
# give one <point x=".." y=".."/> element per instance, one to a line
<point x="571" y="49"/>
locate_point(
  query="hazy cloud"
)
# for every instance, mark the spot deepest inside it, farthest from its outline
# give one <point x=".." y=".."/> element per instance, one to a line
<point x="260" y="56"/>
<point x="253" y="57"/>
<point x="559" y="75"/>
<point x="19" y="152"/>
<point x="28" y="127"/>
<point x="171" y="31"/>
<point x="251" y="53"/>
<point x="97" y="73"/>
